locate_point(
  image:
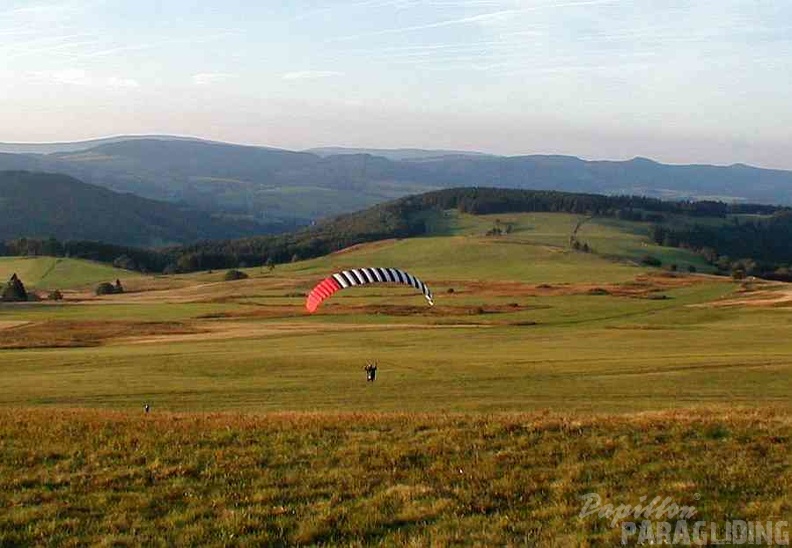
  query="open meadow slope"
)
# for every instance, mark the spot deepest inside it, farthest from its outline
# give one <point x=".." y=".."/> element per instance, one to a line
<point x="541" y="374"/>
<point x="61" y="273"/>
<point x="521" y="322"/>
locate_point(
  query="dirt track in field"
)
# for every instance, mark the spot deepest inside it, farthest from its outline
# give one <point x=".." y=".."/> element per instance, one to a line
<point x="244" y="330"/>
<point x="766" y="294"/>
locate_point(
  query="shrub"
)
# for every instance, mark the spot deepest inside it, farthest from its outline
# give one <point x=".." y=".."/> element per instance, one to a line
<point x="234" y="275"/>
<point x="650" y="260"/>
<point x="105" y="288"/>
<point x="598" y="291"/>
<point x="55" y="295"/>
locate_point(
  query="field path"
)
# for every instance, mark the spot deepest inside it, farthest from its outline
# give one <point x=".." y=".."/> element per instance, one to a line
<point x="8" y="324"/>
<point x="223" y="330"/>
<point x="772" y="294"/>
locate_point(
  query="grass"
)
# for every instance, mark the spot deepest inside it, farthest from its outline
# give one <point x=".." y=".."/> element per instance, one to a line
<point x="110" y="478"/>
<point x="49" y="273"/>
<point x="544" y="375"/>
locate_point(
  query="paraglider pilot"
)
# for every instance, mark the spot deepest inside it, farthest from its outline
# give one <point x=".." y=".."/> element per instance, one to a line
<point x="371" y="371"/>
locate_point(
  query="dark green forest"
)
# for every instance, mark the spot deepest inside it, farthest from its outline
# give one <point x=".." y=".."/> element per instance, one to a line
<point x="40" y="205"/>
<point x="752" y="239"/>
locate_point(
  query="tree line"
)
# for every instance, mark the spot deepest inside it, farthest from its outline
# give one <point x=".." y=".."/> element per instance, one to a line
<point x="764" y="240"/>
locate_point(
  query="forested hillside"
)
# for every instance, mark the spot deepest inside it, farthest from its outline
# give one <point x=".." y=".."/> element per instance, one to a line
<point x="40" y="205"/>
<point x="753" y="239"/>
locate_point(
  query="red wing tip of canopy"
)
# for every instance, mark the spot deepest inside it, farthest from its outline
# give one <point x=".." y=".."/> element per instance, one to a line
<point x="362" y="276"/>
<point x="323" y="290"/>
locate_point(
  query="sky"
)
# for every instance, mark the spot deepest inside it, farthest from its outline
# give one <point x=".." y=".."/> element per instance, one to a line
<point x="696" y="81"/>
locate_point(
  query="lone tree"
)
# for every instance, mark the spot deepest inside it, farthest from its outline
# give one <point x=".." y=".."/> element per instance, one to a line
<point x="14" y="290"/>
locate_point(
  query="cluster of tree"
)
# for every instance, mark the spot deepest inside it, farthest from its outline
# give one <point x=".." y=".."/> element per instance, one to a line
<point x="14" y="290"/>
<point x="130" y="258"/>
<point x="743" y="247"/>
<point x="577" y="245"/>
<point x="106" y="288"/>
<point x="481" y="201"/>
<point x="500" y="228"/>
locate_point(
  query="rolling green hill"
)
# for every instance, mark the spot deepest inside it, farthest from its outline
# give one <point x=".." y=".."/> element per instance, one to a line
<point x="738" y="239"/>
<point x="39" y="205"/>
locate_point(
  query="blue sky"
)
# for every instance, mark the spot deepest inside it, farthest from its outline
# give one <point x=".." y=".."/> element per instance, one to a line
<point x="679" y="81"/>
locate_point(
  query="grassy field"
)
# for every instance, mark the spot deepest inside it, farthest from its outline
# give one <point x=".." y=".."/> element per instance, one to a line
<point x="541" y="373"/>
<point x="109" y="478"/>
<point x="50" y="273"/>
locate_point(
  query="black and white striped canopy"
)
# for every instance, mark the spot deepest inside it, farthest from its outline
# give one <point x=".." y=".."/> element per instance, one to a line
<point x="363" y="276"/>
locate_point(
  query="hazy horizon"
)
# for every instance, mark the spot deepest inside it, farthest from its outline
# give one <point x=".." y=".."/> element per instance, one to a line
<point x="679" y="82"/>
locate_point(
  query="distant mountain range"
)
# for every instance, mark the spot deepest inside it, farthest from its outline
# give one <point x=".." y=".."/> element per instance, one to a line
<point x="41" y="205"/>
<point x="396" y="154"/>
<point x="274" y="185"/>
<point x="75" y="146"/>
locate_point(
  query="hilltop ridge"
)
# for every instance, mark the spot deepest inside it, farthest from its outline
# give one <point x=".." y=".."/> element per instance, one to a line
<point x="269" y="184"/>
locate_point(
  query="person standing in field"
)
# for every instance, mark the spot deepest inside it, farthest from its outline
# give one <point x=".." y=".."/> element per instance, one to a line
<point x="371" y="371"/>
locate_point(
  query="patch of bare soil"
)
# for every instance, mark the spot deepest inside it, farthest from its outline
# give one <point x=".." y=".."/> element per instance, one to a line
<point x="8" y="324"/>
<point x="424" y="310"/>
<point x="762" y="294"/>
<point x="224" y="330"/>
<point x="68" y="334"/>
<point x="209" y="292"/>
<point x="644" y="286"/>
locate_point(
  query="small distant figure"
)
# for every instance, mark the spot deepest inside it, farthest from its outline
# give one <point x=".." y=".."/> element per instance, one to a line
<point x="371" y="371"/>
<point x="147" y="408"/>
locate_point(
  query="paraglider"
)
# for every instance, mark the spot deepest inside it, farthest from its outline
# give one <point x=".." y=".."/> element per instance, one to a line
<point x="371" y="371"/>
<point x="362" y="276"/>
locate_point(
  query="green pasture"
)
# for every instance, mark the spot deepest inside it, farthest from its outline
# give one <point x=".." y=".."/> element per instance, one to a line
<point x="585" y="353"/>
<point x="478" y="349"/>
<point x="474" y="258"/>
<point x="60" y="273"/>
<point x="535" y="251"/>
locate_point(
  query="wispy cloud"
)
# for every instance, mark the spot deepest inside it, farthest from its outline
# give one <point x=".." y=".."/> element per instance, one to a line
<point x="210" y="78"/>
<point x="80" y="77"/>
<point x="310" y="74"/>
<point x="484" y="17"/>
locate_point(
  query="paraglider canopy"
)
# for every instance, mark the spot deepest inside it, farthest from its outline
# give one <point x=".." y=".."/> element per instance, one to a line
<point x="362" y="276"/>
